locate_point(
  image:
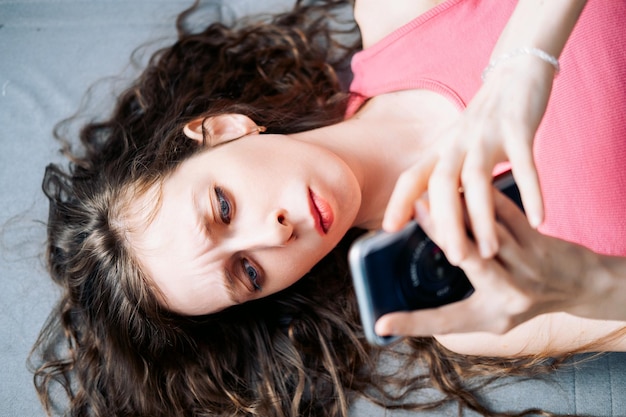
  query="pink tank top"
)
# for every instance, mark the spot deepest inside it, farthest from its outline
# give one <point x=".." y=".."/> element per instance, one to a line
<point x="580" y="147"/>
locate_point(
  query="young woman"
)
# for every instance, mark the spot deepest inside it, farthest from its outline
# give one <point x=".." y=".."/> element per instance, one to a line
<point x="182" y="233"/>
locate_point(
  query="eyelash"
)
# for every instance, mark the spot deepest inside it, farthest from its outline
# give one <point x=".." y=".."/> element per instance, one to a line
<point x="223" y="205"/>
<point x="252" y="273"/>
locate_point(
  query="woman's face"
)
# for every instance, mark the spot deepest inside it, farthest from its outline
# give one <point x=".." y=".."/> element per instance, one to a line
<point x="242" y="221"/>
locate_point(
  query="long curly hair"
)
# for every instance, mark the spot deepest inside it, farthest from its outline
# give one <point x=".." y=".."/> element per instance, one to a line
<point x="113" y="348"/>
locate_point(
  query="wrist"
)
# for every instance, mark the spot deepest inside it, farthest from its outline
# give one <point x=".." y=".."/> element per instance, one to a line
<point x="530" y="77"/>
<point x="605" y="287"/>
<point x="612" y="286"/>
<point x="521" y="54"/>
<point x="542" y="24"/>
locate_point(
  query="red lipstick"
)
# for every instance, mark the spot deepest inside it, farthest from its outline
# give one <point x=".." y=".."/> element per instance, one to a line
<point x="322" y="213"/>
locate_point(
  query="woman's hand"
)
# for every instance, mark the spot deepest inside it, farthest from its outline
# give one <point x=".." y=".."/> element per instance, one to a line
<point x="498" y="125"/>
<point x="531" y="274"/>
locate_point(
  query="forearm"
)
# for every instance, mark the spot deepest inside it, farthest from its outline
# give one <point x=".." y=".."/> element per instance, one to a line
<point x="542" y="24"/>
<point x="547" y="335"/>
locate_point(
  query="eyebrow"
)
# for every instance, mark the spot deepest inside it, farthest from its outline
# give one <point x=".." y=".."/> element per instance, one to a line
<point x="201" y="209"/>
<point x="227" y="278"/>
<point x="232" y="292"/>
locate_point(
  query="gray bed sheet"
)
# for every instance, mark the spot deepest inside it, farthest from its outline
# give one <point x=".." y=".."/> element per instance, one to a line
<point x="51" y="52"/>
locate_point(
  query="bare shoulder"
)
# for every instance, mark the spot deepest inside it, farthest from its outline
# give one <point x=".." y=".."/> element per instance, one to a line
<point x="377" y="19"/>
<point x="550" y="334"/>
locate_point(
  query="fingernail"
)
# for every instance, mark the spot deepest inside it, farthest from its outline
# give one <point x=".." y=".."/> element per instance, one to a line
<point x="534" y="220"/>
<point x="421" y="212"/>
<point x="389" y="224"/>
<point x="487" y="250"/>
<point x="453" y="256"/>
<point x="382" y="330"/>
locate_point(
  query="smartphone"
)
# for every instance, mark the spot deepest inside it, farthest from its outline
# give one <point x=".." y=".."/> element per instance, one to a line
<point x="406" y="271"/>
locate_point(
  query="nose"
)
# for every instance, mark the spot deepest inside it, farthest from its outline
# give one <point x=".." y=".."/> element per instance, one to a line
<point x="276" y="230"/>
<point x="279" y="229"/>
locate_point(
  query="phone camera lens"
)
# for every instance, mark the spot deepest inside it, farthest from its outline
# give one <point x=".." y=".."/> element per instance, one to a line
<point x="431" y="280"/>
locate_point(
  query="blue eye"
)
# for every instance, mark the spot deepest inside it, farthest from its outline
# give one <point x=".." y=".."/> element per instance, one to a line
<point x="252" y="273"/>
<point x="223" y="205"/>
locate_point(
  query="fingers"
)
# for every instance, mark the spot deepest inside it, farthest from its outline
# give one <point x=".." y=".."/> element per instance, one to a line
<point x="511" y="216"/>
<point x="511" y="255"/>
<point x="411" y="185"/>
<point x="478" y="191"/>
<point x="446" y="203"/>
<point x="499" y="302"/>
<point x="496" y="306"/>
<point x="460" y="317"/>
<point x="441" y="320"/>
<point x="442" y="174"/>
<point x="527" y="179"/>
<point x="424" y="218"/>
<point x="447" y="208"/>
<point x="518" y="145"/>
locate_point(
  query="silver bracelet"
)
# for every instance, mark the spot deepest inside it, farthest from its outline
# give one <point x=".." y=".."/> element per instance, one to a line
<point x="544" y="56"/>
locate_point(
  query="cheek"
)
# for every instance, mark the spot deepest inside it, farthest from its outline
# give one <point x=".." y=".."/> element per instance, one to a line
<point x="296" y="267"/>
<point x="286" y="269"/>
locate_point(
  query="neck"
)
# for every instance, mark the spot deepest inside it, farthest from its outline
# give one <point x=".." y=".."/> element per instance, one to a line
<point x="377" y="145"/>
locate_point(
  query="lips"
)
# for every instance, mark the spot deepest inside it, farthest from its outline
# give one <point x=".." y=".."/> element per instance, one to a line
<point x="322" y="213"/>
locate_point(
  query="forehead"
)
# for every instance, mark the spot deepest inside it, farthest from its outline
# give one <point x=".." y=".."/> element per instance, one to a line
<point x="170" y="242"/>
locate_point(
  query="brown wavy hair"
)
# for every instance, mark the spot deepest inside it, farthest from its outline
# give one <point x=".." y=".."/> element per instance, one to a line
<point x="109" y="343"/>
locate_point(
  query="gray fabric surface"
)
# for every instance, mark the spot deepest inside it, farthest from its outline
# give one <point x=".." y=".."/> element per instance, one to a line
<point x="51" y="51"/>
<point x="588" y="385"/>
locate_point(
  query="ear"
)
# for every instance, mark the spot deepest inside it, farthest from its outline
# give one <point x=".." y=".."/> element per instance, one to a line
<point x="221" y="128"/>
